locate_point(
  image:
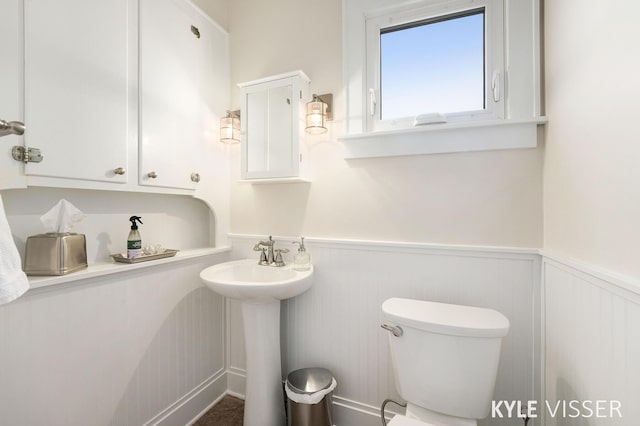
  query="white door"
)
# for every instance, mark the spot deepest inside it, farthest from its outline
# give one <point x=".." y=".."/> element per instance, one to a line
<point x="77" y="87"/>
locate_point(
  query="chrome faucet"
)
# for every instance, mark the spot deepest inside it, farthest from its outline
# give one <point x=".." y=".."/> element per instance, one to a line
<point x="269" y="255"/>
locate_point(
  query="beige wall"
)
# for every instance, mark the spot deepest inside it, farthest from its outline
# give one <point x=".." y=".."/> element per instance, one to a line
<point x="218" y="10"/>
<point x="592" y="165"/>
<point x="489" y="198"/>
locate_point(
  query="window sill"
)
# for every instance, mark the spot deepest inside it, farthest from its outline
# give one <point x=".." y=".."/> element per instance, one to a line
<point x="444" y="138"/>
<point x="264" y="181"/>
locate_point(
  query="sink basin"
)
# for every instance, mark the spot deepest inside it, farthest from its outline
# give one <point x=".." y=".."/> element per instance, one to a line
<point x="245" y="280"/>
<point x="260" y="289"/>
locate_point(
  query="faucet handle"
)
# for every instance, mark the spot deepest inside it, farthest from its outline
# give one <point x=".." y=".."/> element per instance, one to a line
<point x="263" y="258"/>
<point x="278" y="261"/>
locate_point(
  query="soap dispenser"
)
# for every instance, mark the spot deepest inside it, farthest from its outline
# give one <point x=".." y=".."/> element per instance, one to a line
<point x="134" y="240"/>
<point x="302" y="259"/>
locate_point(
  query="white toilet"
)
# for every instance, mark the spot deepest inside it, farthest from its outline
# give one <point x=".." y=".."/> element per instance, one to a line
<point x="445" y="359"/>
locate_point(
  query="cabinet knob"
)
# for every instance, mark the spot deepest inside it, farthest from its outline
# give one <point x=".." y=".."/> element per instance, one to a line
<point x="152" y="175"/>
<point x="195" y="177"/>
<point x="120" y="171"/>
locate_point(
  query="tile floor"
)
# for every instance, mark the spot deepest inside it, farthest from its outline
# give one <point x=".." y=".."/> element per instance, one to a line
<point x="228" y="412"/>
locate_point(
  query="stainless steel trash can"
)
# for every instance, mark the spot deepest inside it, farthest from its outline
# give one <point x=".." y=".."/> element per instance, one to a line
<point x="309" y="384"/>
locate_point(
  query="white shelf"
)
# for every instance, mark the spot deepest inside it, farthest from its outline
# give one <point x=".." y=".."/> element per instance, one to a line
<point x="110" y="268"/>
<point x="275" y="180"/>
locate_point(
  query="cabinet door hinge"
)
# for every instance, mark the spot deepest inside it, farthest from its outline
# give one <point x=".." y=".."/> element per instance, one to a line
<point x="26" y="155"/>
<point x="301" y="158"/>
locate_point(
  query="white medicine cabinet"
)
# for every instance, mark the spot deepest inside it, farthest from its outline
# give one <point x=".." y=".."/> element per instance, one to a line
<point x="272" y="117"/>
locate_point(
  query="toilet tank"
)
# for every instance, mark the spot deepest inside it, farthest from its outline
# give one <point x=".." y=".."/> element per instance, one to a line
<point x="447" y="357"/>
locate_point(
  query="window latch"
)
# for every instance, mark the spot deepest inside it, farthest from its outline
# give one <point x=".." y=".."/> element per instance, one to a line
<point x="495" y="86"/>
<point x="372" y="102"/>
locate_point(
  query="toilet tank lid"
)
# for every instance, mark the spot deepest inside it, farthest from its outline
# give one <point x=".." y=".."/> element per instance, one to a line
<point x="444" y="318"/>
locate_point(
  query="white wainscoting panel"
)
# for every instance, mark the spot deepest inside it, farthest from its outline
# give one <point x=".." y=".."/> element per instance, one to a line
<point x="592" y="348"/>
<point x="336" y="324"/>
<point x="128" y="349"/>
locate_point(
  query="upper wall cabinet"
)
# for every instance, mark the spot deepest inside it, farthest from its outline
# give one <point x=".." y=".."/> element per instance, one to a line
<point x="78" y="88"/>
<point x="122" y="94"/>
<point x="182" y="72"/>
<point x="272" y="114"/>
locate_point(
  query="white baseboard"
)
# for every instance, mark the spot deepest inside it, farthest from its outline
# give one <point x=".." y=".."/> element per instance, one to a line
<point x="346" y="412"/>
<point x="197" y="401"/>
<point x="236" y="395"/>
<point x="236" y="379"/>
<point x="207" y="408"/>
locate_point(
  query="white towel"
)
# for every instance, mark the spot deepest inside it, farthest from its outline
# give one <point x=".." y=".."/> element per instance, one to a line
<point x="13" y="281"/>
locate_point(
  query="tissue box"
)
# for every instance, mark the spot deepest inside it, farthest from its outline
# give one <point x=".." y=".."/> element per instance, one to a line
<point x="55" y="254"/>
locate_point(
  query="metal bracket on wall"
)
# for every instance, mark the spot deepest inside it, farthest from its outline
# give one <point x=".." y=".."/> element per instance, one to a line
<point x="26" y="155"/>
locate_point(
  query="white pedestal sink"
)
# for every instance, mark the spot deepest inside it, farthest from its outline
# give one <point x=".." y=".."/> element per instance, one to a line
<point x="260" y="288"/>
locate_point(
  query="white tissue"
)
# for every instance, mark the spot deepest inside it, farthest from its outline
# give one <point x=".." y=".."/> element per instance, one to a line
<point x="61" y="217"/>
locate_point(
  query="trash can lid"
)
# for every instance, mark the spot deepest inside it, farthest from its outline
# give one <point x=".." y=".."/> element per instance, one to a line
<point x="309" y="380"/>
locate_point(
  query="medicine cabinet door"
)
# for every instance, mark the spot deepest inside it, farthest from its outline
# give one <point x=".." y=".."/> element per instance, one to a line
<point x="270" y="120"/>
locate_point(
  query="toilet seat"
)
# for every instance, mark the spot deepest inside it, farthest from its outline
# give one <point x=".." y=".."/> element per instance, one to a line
<point x="400" y="420"/>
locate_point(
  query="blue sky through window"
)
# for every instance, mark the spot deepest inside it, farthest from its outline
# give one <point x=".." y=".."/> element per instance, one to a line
<point x="433" y="67"/>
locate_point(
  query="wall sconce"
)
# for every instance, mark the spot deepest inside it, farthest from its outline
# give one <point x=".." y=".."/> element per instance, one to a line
<point x="318" y="113"/>
<point x="230" y="127"/>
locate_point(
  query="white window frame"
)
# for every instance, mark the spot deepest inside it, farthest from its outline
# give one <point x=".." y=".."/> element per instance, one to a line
<point x="493" y="58"/>
<point x="512" y="124"/>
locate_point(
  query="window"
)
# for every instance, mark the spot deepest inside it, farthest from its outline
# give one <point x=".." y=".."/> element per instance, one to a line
<point x="434" y="64"/>
<point x="436" y="76"/>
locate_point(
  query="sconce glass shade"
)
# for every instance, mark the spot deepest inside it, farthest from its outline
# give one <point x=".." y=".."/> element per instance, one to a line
<point x="316" y="117"/>
<point x="230" y="129"/>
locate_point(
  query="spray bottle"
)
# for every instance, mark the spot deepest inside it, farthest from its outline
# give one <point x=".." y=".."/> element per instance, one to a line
<point x="134" y="241"/>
